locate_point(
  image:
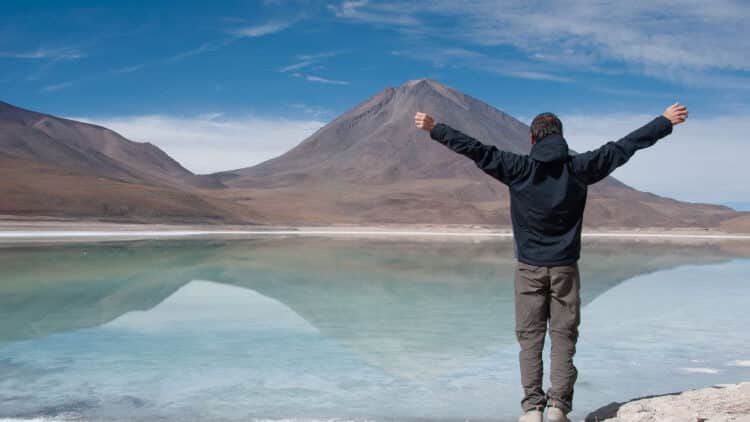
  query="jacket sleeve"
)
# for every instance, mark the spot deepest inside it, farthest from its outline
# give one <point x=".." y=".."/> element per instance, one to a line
<point x="593" y="166"/>
<point x="504" y="166"/>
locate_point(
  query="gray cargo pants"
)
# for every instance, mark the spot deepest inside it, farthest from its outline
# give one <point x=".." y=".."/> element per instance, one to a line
<point x="542" y="294"/>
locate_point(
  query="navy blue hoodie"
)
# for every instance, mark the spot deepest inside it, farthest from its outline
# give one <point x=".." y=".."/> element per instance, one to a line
<point x="548" y="187"/>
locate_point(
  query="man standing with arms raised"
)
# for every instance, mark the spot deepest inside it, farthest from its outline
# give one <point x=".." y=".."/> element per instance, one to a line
<point x="547" y="198"/>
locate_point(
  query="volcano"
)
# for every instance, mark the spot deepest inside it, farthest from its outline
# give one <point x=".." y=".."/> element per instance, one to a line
<point x="371" y="165"/>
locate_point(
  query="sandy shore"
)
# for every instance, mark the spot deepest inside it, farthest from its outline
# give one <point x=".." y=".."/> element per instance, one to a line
<point x="719" y="403"/>
<point x="21" y="228"/>
<point x="14" y="228"/>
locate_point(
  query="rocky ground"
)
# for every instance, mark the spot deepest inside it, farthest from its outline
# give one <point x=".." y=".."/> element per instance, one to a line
<point x="725" y="402"/>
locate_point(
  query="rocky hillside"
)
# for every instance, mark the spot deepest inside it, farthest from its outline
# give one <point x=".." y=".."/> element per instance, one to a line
<point x="720" y="403"/>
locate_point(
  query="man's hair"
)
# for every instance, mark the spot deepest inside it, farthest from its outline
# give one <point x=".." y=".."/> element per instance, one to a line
<point x="545" y="124"/>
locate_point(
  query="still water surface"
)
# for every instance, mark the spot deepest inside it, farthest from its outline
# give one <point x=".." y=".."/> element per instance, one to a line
<point x="302" y="328"/>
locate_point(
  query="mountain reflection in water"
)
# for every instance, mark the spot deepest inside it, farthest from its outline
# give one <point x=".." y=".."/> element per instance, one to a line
<point x="310" y="324"/>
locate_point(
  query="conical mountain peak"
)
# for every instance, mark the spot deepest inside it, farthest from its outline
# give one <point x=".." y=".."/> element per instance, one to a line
<point x="424" y="82"/>
<point x="372" y="164"/>
<point x="376" y="141"/>
<point x="424" y="88"/>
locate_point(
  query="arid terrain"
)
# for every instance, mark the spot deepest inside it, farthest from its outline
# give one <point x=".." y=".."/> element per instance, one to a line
<point x="369" y="166"/>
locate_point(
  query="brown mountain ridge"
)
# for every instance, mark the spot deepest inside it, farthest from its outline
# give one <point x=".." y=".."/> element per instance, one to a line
<point x="368" y="166"/>
<point x="372" y="165"/>
<point x="57" y="167"/>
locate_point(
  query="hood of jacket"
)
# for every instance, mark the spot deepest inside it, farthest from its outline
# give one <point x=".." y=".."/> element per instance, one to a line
<point x="551" y="148"/>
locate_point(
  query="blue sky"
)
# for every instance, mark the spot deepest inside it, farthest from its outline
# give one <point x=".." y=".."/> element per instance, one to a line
<point x="222" y="85"/>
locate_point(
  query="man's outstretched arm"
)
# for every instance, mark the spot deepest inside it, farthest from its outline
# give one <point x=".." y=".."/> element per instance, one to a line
<point x="593" y="166"/>
<point x="504" y="166"/>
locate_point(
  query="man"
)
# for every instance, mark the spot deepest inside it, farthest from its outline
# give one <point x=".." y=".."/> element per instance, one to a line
<point x="547" y="198"/>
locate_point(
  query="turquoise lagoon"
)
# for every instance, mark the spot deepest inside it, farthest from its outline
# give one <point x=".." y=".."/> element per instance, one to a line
<point x="300" y="328"/>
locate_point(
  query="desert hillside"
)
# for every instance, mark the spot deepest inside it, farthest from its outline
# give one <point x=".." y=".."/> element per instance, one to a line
<point x="368" y="166"/>
<point x="371" y="165"/>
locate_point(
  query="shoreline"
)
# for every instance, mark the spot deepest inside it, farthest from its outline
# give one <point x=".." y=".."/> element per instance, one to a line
<point x="46" y="234"/>
<point x="15" y="231"/>
<point x="14" y="228"/>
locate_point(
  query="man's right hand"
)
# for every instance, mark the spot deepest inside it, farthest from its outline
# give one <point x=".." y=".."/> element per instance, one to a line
<point x="676" y="113"/>
<point x="424" y="121"/>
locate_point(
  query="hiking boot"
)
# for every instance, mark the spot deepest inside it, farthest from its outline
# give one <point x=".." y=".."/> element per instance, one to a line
<point x="554" y="414"/>
<point x="531" y="416"/>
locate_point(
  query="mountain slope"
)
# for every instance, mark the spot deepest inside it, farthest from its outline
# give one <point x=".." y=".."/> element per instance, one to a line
<point x="372" y="165"/>
<point x="368" y="166"/>
<point x="93" y="149"/>
<point x="51" y="166"/>
<point x="29" y="188"/>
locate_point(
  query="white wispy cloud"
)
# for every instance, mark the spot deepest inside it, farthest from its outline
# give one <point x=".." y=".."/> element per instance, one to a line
<point x="695" y="42"/>
<point x="296" y="66"/>
<point x="313" y="78"/>
<point x="175" y="58"/>
<point x="312" y="62"/>
<point x="260" y="30"/>
<point x="623" y="92"/>
<point x="214" y="142"/>
<point x="206" y="47"/>
<point x="375" y="12"/>
<point x="306" y="60"/>
<point x="56" y="87"/>
<point x="703" y="160"/>
<point x="319" y="56"/>
<point x="647" y="33"/>
<point x="45" y="53"/>
<point x="131" y="68"/>
<point x="462" y="57"/>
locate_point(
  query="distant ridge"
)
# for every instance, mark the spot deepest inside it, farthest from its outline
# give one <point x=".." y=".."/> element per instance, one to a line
<point x="371" y="164"/>
<point x="68" y="143"/>
<point x="52" y="166"/>
<point x="368" y="166"/>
